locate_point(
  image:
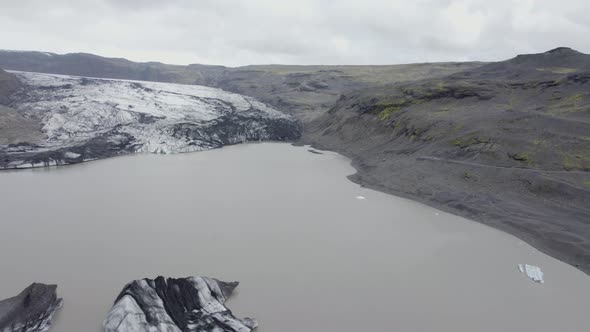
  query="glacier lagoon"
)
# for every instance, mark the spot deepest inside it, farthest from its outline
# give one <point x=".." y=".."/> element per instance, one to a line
<point x="285" y="223"/>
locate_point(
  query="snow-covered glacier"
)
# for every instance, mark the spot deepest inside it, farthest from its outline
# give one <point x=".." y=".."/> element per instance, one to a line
<point x="89" y="118"/>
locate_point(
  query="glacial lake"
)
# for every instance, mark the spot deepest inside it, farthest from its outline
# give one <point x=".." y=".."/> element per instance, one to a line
<point x="309" y="254"/>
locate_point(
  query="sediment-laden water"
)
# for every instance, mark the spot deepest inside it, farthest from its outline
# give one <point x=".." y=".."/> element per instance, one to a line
<point x="309" y="253"/>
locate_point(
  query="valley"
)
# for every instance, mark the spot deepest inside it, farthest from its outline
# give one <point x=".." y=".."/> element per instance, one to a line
<point x="503" y="143"/>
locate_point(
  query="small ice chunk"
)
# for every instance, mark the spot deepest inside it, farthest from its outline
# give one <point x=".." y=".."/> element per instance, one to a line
<point x="360" y="197"/>
<point x="71" y="155"/>
<point x="531" y="271"/>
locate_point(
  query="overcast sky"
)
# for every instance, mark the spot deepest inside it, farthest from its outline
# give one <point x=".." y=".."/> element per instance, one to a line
<point x="240" y="32"/>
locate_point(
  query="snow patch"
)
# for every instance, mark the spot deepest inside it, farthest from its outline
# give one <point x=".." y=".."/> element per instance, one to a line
<point x="72" y="155"/>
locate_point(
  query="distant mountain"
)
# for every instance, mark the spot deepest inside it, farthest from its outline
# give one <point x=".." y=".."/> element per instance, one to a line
<point x="561" y="57"/>
<point x="561" y="60"/>
<point x="84" y="64"/>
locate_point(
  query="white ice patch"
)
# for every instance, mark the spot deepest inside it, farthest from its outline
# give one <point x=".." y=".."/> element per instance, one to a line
<point x="531" y="271"/>
<point x="71" y="155"/>
<point x="360" y="197"/>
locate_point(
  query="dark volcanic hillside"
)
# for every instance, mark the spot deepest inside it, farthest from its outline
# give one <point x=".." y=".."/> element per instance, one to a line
<point x="561" y="60"/>
<point x="83" y="64"/>
<point x="8" y="85"/>
<point x="15" y="128"/>
<point x="507" y="144"/>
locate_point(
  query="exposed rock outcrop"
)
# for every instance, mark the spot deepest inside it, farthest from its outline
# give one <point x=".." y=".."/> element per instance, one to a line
<point x="175" y="305"/>
<point x="30" y="311"/>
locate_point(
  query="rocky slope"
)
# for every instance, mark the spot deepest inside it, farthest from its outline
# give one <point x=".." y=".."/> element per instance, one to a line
<point x="85" y="119"/>
<point x="175" y="305"/>
<point x="507" y="144"/>
<point x="15" y="128"/>
<point x="8" y="85"/>
<point x="30" y="311"/>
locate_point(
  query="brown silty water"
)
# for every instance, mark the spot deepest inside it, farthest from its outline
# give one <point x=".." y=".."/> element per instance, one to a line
<point x="286" y="223"/>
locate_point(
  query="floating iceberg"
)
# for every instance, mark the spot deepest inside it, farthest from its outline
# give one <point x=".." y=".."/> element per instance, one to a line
<point x="533" y="272"/>
<point x="194" y="304"/>
<point x="30" y="311"/>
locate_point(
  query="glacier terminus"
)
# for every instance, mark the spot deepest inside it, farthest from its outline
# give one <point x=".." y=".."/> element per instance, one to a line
<point x="86" y="118"/>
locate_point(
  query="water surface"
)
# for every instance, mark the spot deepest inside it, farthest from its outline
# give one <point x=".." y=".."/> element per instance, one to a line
<point x="287" y="224"/>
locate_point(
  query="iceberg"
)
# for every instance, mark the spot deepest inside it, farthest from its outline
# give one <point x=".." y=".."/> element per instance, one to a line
<point x="194" y="304"/>
<point x="531" y="271"/>
<point x="30" y="311"/>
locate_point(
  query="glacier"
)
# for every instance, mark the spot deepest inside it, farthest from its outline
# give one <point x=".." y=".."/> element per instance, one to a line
<point x="86" y="118"/>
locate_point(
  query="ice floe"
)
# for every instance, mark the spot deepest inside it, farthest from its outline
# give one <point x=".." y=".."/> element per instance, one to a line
<point x="533" y="272"/>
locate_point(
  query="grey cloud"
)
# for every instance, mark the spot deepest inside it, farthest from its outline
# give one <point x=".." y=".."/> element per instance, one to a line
<point x="234" y="32"/>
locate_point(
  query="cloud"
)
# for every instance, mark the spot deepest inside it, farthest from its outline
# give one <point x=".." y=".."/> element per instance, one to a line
<point x="233" y="32"/>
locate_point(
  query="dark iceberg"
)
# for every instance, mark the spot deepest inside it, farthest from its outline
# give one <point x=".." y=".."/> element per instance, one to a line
<point x="175" y="305"/>
<point x="30" y="311"/>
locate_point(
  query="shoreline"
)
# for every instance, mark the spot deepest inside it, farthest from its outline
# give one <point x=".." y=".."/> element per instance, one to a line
<point x="367" y="177"/>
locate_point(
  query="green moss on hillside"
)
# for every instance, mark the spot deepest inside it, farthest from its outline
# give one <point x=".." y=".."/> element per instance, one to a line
<point x="521" y="156"/>
<point x="386" y="113"/>
<point x="558" y="70"/>
<point x="576" y="162"/>
<point x="468" y="140"/>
